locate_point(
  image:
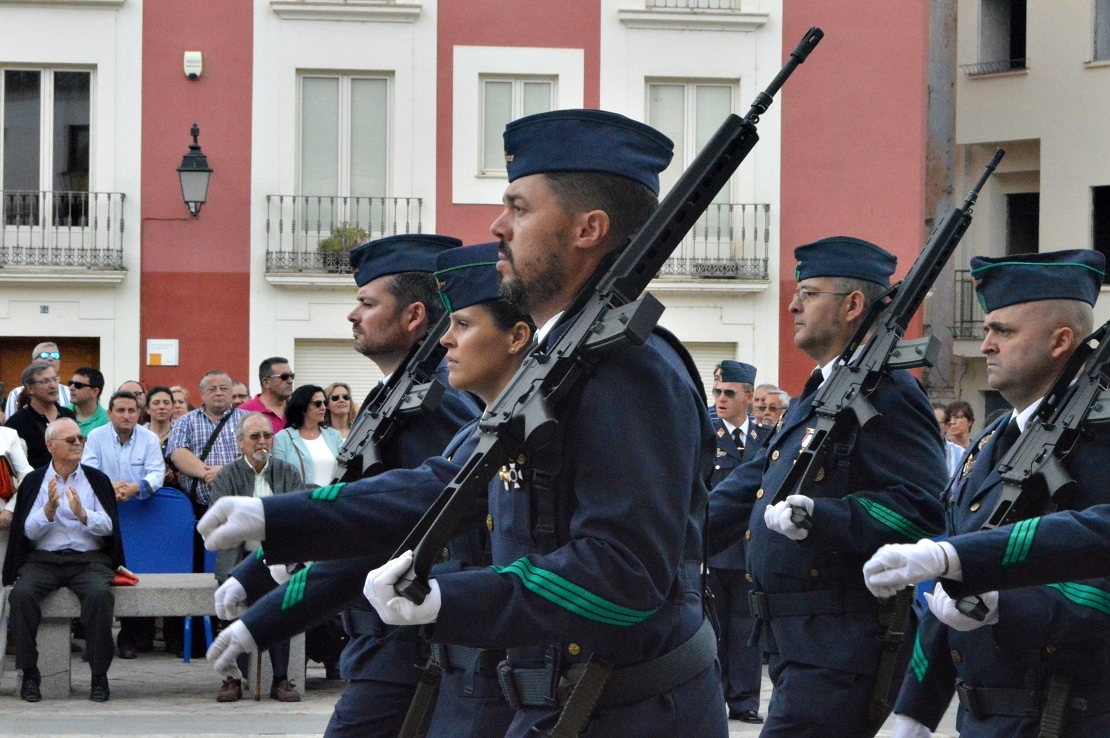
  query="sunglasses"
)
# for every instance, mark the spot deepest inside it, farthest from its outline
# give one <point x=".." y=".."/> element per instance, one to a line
<point x="337" y="398"/>
<point x="316" y="403"/>
<point x="73" y="440"/>
<point x="260" y="434"/>
<point x="79" y="385"/>
<point x="50" y="355"/>
<point x="284" y="376"/>
<point x="730" y="394"/>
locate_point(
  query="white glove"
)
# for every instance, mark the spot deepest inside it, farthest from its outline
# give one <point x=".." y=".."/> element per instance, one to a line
<point x="907" y="727"/>
<point x="392" y="608"/>
<point x="234" y="640"/>
<point x="895" y="566"/>
<point x="778" y="516"/>
<point x="944" y="607"/>
<point x="231" y="521"/>
<point x="231" y="600"/>
<point x="280" y="573"/>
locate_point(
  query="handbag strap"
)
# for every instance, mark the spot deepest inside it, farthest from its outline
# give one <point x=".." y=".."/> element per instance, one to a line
<point x="208" y="447"/>
<point x="300" y="458"/>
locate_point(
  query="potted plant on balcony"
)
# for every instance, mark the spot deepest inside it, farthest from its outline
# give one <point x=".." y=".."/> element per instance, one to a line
<point x="335" y="248"/>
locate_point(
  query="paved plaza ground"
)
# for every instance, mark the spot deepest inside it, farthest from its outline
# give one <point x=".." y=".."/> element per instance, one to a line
<point x="158" y="696"/>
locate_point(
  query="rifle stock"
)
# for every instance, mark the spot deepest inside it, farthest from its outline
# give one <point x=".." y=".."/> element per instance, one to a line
<point x="607" y="315"/>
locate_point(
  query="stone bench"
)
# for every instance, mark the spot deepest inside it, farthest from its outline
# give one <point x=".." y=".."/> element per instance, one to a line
<point x="155" y="594"/>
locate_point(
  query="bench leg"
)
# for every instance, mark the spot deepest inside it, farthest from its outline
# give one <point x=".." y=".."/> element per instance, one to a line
<point x="54" y="657"/>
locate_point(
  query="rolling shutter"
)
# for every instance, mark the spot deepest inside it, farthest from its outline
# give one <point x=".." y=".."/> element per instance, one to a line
<point x="707" y="356"/>
<point x="323" y="361"/>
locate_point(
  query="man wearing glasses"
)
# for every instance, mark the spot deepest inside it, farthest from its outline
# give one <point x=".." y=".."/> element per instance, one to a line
<point x="46" y="351"/>
<point x="65" y="533"/>
<point x="85" y="389"/>
<point x="40" y="380"/>
<point x="276" y="377"/>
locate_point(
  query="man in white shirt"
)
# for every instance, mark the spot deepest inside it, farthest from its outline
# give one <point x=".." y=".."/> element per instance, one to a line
<point x="46" y="351"/>
<point x="131" y="456"/>
<point x="64" y="534"/>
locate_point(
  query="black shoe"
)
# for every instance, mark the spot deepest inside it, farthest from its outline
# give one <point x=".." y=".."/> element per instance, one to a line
<point x="99" y="691"/>
<point x="127" y="651"/>
<point x="29" y="691"/>
<point x="745" y="716"/>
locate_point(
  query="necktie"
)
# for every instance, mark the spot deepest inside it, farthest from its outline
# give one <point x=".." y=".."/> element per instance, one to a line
<point x="1005" y="441"/>
<point x="813" y="383"/>
<point x="738" y="439"/>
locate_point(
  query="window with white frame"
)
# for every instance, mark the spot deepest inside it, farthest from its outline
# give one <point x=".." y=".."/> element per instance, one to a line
<point x="505" y="99"/>
<point x="344" y="148"/>
<point x="689" y="113"/>
<point x="1102" y="30"/>
<point x="46" y="142"/>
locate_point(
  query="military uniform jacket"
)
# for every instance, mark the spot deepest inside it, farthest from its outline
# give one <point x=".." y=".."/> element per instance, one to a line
<point x="728" y="458"/>
<point x="887" y="490"/>
<point x="365" y="657"/>
<point x="613" y="569"/>
<point x="1061" y="628"/>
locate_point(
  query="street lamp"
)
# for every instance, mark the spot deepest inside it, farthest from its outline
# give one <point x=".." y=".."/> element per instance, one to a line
<point x="194" y="173"/>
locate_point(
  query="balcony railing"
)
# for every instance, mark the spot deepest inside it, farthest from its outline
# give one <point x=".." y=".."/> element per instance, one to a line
<point x="315" y="233"/>
<point x="967" y="323"/>
<point x="994" y="67"/>
<point x="78" y="229"/>
<point x="729" y="241"/>
<point x="693" y="4"/>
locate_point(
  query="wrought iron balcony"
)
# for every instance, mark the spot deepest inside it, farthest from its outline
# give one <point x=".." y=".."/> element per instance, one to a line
<point x="729" y="241"/>
<point x="692" y="4"/>
<point x="315" y="233"/>
<point x="967" y="323"/>
<point x="63" y="229"/>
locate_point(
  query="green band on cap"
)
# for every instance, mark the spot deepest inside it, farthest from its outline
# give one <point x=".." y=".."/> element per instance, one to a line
<point x="1039" y="265"/>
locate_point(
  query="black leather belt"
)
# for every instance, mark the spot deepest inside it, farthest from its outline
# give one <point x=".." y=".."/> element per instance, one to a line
<point x="766" y="605"/>
<point x="984" y="702"/>
<point x="626" y="686"/>
<point x="464" y="658"/>
<point x="367" y="623"/>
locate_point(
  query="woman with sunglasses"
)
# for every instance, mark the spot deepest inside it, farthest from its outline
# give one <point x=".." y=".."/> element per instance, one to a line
<point x="306" y="442"/>
<point x="486" y="343"/>
<point x="342" y="409"/>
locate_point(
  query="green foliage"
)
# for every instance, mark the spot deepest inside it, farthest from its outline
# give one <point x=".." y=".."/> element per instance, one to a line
<point x="344" y="237"/>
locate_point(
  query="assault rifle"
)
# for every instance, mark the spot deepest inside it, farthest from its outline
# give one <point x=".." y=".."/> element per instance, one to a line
<point x="1034" y="480"/>
<point x="607" y="316"/>
<point x="409" y="391"/>
<point x="842" y="403"/>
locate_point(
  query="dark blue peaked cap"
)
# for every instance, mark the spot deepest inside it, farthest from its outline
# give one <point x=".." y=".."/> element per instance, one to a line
<point x="1056" y="275"/>
<point x="468" y="276"/>
<point x="414" y="252"/>
<point x="586" y="141"/>
<point x="737" y="371"/>
<point x="844" y="256"/>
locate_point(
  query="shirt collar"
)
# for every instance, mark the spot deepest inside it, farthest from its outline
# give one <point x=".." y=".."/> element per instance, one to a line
<point x="546" y="328"/>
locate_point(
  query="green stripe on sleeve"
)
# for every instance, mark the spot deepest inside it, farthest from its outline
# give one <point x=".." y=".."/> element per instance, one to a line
<point x="918" y="663"/>
<point x="570" y="596"/>
<point x="258" y="555"/>
<point x="294" y="592"/>
<point x="1019" y="542"/>
<point x="329" y="493"/>
<point x="1084" y="595"/>
<point x="895" y="521"/>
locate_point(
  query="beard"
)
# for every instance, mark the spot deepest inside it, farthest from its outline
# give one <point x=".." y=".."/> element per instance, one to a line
<point x="537" y="291"/>
<point x="260" y="455"/>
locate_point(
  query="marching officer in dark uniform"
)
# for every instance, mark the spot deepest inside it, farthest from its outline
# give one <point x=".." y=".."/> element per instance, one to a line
<point x="398" y="303"/>
<point x="469" y="697"/>
<point x="739" y="437"/>
<point x="816" y="619"/>
<point x="596" y="564"/>
<point x="1040" y="657"/>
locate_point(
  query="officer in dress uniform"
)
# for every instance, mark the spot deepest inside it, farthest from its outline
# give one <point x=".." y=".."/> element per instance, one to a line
<point x="1041" y="655"/>
<point x="596" y="563"/>
<point x="815" y="617"/>
<point x="739" y="437"/>
<point x="381" y="666"/>
<point x="469" y="699"/>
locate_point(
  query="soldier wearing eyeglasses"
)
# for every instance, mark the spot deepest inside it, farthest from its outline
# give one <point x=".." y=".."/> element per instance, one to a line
<point x="40" y="381"/>
<point x="65" y="533"/>
<point x="276" y="377"/>
<point x="739" y="437"/>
